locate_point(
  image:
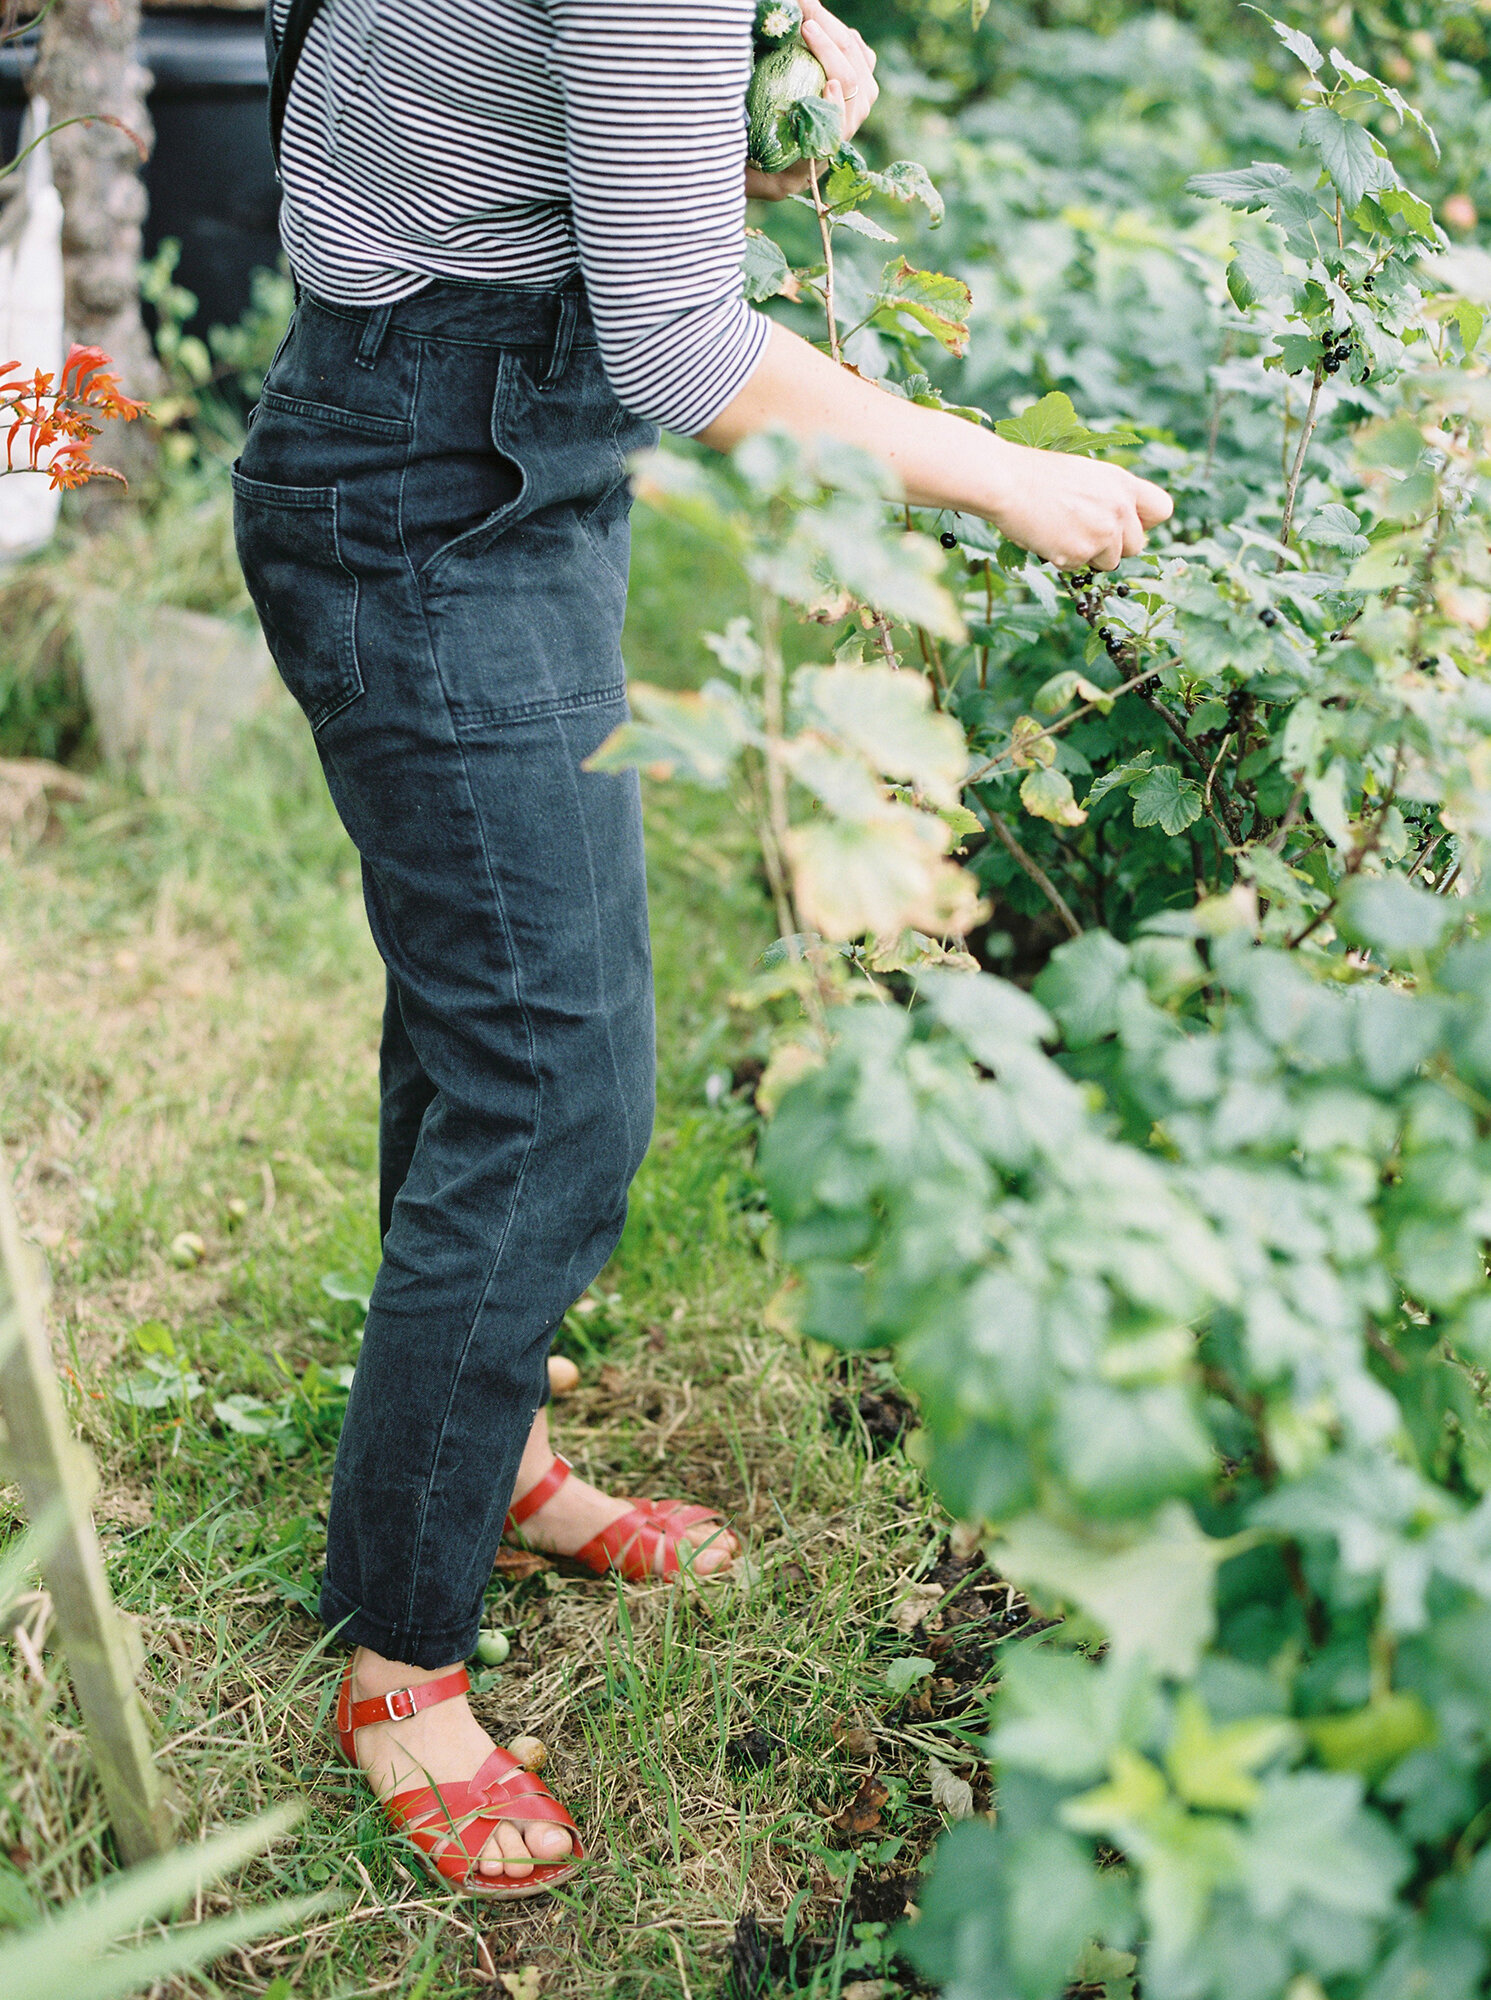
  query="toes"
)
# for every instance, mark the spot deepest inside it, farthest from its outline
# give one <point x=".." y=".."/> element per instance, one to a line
<point x="507" y="1849"/>
<point x="545" y="1841"/>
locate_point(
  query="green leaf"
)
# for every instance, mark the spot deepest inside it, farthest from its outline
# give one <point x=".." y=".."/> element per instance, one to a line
<point x="154" y="1337"/>
<point x="817" y="124"/>
<point x="764" y="270"/>
<point x="902" y="1675"/>
<point x="1310" y="1838"/>
<point x="1471" y="321"/>
<point x="1153" y="1596"/>
<point x="940" y="305"/>
<point x="1052" y="424"/>
<point x="1348" y="154"/>
<point x="1255" y="274"/>
<point x="1333" y="527"/>
<point x="249" y="1416"/>
<point x="1295" y="40"/>
<point x="988" y="1015"/>
<point x="1394" y="916"/>
<point x="1080" y="985"/>
<point x="1047" y="793"/>
<point x="1067" y="686"/>
<point x="1248" y="188"/>
<point x="1385" y="94"/>
<point x="1411" y="208"/>
<point x="1165" y="799"/>
<point x="1119" y="774"/>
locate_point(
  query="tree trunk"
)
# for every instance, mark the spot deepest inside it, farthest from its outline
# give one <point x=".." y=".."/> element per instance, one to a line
<point x="89" y="65"/>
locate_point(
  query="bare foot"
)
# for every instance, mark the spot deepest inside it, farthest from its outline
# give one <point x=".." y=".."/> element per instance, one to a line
<point x="579" y="1511"/>
<point x="441" y="1745"/>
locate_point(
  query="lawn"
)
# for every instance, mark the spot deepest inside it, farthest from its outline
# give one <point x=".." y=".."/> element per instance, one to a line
<point x="188" y="1037"/>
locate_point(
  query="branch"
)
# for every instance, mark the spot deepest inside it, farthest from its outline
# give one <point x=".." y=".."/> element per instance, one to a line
<point x="1037" y="874"/>
<point x="1299" y="458"/>
<point x="825" y="230"/>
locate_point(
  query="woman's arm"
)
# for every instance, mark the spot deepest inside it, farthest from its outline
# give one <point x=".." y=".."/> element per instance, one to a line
<point x="1075" y="512"/>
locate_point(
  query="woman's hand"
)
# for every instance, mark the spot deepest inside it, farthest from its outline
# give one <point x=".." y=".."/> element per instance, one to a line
<point x="849" y="62"/>
<point x="1075" y="512"/>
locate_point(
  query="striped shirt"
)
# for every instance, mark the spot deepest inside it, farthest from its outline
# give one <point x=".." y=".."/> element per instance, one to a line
<point x="512" y="141"/>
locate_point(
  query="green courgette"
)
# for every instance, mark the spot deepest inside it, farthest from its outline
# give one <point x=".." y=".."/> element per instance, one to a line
<point x="782" y="78"/>
<point x="777" y="21"/>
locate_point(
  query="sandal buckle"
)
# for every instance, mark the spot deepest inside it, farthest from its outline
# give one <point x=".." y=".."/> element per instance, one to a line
<point x="397" y="1713"/>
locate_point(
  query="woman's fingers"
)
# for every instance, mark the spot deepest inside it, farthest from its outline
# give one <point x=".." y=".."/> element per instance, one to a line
<point x="1154" y="503"/>
<point x="847" y="60"/>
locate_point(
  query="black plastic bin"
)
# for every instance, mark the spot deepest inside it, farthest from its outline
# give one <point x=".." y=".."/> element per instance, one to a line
<point x="211" y="177"/>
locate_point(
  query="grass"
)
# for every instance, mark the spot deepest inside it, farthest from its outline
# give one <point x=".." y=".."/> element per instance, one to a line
<point x="188" y="1032"/>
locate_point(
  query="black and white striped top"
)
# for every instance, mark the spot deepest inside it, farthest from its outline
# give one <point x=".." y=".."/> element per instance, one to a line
<point x="510" y="141"/>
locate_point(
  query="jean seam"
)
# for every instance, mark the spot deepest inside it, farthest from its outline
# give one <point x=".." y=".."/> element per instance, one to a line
<point x="417" y="1546"/>
<point x="537" y="711"/>
<point x="607" y="1011"/>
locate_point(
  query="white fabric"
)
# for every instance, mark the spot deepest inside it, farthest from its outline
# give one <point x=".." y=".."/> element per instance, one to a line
<point x="31" y="323"/>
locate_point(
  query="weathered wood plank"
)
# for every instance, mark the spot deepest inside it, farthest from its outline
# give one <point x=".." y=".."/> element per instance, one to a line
<point x="53" y="1470"/>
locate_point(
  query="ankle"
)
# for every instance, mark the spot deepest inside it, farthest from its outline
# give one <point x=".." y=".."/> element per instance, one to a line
<point x="373" y="1675"/>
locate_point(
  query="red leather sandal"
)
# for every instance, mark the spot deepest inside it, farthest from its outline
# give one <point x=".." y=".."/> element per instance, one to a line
<point x="463" y="1813"/>
<point x="632" y="1543"/>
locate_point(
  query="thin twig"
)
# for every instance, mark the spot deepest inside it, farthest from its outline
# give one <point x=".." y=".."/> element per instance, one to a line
<point x="825" y="230"/>
<point x="1056" y="728"/>
<point x="1299" y="458"/>
<point x="1036" y="873"/>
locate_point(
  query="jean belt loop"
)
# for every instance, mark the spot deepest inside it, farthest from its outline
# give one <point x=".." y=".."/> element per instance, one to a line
<point x="372" y="337"/>
<point x="564" y="337"/>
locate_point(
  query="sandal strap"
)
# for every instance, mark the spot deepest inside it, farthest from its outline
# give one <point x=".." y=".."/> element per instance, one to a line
<point x="467" y="1813"/>
<point x="632" y="1544"/>
<point x="534" y="1498"/>
<point x="679" y="1514"/>
<point x="398" y="1704"/>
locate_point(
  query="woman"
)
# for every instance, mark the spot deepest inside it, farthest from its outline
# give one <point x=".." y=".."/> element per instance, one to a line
<point x="516" y="230"/>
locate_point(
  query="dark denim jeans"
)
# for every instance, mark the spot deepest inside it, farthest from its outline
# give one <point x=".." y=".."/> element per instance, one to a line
<point x="431" y="512"/>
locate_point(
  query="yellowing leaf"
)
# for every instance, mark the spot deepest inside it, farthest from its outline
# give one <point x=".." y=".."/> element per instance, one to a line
<point x="1030" y="743"/>
<point x="937" y="303"/>
<point x="882" y="875"/>
<point x="686" y="735"/>
<point x="1374" y="1738"/>
<point x="1214" y="1767"/>
<point x="1047" y="793"/>
<point x="1135" y="1791"/>
<point x="889" y="719"/>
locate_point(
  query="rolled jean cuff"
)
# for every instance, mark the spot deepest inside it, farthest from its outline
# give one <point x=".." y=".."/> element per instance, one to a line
<point x="353" y="1626"/>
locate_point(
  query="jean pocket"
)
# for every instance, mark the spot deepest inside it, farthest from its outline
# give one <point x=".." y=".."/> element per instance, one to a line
<point x="304" y="593"/>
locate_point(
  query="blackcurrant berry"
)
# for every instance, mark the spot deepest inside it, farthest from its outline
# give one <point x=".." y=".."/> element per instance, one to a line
<point x="948" y="539"/>
<point x="1367" y="283"/>
<point x="1269" y="616"/>
<point x="1332" y="367"/>
<point x="1120" y="590"/>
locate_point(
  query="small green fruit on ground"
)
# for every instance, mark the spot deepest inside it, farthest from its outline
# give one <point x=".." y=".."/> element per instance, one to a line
<point x="492" y="1648"/>
<point x="186" y="1250"/>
